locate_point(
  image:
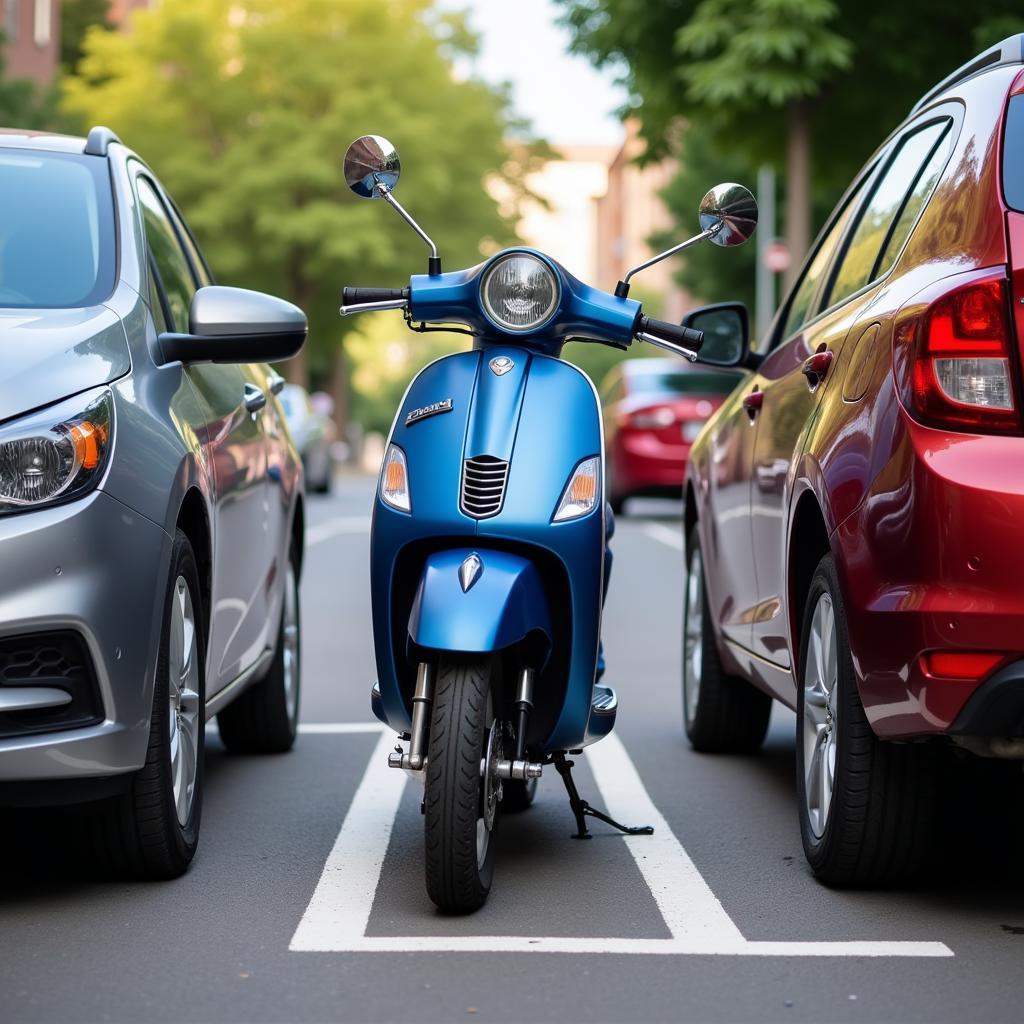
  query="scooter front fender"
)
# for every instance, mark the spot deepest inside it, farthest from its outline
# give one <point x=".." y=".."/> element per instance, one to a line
<point x="499" y="604"/>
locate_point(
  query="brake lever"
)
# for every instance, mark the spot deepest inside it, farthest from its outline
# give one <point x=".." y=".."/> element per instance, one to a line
<point x="668" y="346"/>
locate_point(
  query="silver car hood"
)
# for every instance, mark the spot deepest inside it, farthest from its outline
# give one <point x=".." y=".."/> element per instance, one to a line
<point x="46" y="355"/>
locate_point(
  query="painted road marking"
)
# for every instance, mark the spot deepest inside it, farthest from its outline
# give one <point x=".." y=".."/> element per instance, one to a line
<point x="662" y="534"/>
<point x="336" y="527"/>
<point x="337" y="915"/>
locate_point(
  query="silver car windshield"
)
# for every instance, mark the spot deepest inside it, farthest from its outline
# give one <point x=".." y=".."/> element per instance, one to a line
<point x="56" y="230"/>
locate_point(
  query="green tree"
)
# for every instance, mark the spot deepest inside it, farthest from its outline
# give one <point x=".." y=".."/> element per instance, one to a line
<point x="741" y="56"/>
<point x="76" y="18"/>
<point x="246" y="111"/>
<point x="683" y="62"/>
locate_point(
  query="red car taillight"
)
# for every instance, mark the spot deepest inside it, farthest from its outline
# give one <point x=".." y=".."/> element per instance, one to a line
<point x="953" y="358"/>
<point x="651" y="418"/>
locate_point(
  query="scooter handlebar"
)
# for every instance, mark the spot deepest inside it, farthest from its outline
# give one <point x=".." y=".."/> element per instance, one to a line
<point x="683" y="341"/>
<point x="359" y="296"/>
<point x="366" y="300"/>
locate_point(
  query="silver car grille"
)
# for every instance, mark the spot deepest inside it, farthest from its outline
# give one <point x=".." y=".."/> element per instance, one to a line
<point x="483" y="486"/>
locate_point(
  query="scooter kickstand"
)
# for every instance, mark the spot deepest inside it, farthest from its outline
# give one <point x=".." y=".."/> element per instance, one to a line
<point x="582" y="810"/>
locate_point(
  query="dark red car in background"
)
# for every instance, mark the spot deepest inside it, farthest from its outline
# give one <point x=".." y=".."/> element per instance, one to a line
<point x="855" y="512"/>
<point x="653" y="411"/>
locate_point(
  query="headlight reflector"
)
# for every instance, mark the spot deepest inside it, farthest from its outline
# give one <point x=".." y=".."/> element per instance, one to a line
<point x="56" y="454"/>
<point x="519" y="292"/>
<point x="582" y="492"/>
<point x="394" y="480"/>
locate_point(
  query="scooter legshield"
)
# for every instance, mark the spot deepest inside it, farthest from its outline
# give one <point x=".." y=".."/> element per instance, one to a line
<point x="494" y="600"/>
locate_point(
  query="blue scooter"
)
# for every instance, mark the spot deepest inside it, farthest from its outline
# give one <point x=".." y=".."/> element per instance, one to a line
<point x="489" y="531"/>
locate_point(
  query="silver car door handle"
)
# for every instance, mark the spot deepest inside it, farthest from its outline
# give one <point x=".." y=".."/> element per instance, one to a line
<point x="255" y="399"/>
<point x="276" y="382"/>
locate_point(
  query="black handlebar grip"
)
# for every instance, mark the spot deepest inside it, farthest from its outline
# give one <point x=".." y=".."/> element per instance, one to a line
<point x="357" y="296"/>
<point x="677" y="334"/>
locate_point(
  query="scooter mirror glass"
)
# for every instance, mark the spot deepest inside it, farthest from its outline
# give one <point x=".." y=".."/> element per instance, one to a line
<point x="372" y="164"/>
<point x="731" y="210"/>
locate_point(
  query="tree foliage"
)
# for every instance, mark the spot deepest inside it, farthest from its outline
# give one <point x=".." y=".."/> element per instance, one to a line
<point x="710" y="81"/>
<point x="738" y="55"/>
<point x="245" y="111"/>
<point x="76" y="18"/>
<point x="893" y="54"/>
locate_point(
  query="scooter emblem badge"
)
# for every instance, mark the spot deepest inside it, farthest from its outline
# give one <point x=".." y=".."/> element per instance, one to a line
<point x="500" y="365"/>
<point x="470" y="571"/>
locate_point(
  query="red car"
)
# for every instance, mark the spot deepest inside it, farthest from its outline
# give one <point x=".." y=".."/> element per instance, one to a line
<point x="855" y="511"/>
<point x="653" y="411"/>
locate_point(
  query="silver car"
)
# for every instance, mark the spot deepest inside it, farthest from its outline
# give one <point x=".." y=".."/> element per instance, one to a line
<point x="151" y="502"/>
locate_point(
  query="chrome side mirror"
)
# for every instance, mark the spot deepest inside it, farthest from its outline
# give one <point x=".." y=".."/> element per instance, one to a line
<point x="372" y="170"/>
<point x="729" y="213"/>
<point x="372" y="167"/>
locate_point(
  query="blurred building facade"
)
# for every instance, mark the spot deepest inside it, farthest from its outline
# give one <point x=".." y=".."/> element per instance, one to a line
<point x="32" y="28"/>
<point x="601" y="211"/>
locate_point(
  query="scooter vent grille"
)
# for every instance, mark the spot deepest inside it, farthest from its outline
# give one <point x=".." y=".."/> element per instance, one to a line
<point x="483" y="486"/>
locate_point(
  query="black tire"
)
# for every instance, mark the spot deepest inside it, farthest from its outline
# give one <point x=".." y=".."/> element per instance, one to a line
<point x="137" y="834"/>
<point x="264" y="719"/>
<point x="458" y="881"/>
<point x="517" y="795"/>
<point x="618" y="504"/>
<point x="879" y="823"/>
<point x="722" y="713"/>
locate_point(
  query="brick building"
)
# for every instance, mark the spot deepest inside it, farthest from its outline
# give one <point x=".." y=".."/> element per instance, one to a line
<point x="32" y="28"/>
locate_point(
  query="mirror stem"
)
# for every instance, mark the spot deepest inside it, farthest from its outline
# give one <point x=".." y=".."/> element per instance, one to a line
<point x="434" y="263"/>
<point x="622" y="288"/>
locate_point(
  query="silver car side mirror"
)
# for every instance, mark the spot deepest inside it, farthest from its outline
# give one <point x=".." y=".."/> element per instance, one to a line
<point x="372" y="167"/>
<point x="235" y="325"/>
<point x="729" y="213"/>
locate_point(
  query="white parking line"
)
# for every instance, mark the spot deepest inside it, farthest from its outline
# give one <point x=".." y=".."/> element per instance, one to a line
<point x="335" y="527"/>
<point x="339" y="910"/>
<point x="661" y="533"/>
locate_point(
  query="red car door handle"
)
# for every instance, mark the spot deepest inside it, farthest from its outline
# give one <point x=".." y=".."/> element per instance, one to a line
<point x="816" y="367"/>
<point x="753" y="402"/>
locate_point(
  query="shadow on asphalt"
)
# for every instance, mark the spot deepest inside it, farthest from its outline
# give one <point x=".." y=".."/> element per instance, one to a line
<point x="46" y="855"/>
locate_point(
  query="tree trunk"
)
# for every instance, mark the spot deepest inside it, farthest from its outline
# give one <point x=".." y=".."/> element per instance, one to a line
<point x="337" y="383"/>
<point x="297" y="368"/>
<point x="798" y="187"/>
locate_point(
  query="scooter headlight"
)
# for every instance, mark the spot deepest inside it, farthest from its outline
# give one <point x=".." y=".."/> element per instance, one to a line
<point x="394" y="480"/>
<point x="582" y="492"/>
<point x="519" y="292"/>
<point x="57" y="454"/>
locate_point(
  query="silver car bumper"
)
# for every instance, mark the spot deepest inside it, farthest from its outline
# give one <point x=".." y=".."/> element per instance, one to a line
<point x="94" y="568"/>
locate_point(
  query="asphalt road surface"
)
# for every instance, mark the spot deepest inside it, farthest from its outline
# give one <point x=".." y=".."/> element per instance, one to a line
<point x="306" y="900"/>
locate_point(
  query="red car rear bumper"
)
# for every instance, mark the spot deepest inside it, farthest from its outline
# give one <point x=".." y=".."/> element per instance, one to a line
<point x="641" y="462"/>
<point x="933" y="560"/>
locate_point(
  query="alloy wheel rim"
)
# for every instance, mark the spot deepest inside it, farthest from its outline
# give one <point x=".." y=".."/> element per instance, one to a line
<point x="820" y="682"/>
<point x="290" y="639"/>
<point x="183" y="722"/>
<point x="693" y="636"/>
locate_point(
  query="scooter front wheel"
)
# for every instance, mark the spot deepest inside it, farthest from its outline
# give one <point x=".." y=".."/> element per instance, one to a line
<point x="462" y="789"/>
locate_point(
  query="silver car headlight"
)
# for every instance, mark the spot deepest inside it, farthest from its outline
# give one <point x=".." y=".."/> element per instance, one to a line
<point x="519" y="292"/>
<point x="56" y="454"/>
